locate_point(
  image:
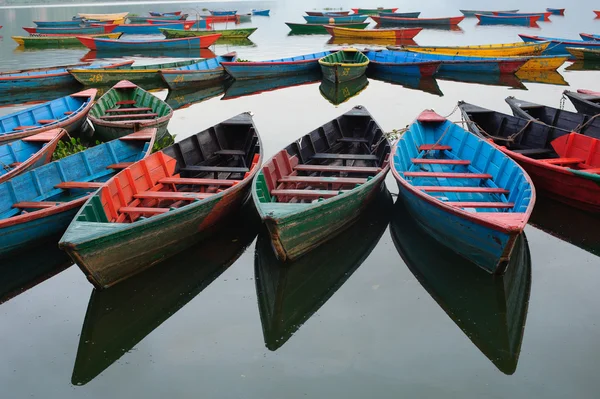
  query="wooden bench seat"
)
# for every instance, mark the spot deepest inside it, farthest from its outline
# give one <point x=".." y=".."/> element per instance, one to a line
<point x="144" y="135"/>
<point x="434" y="147"/>
<point x="132" y="109"/>
<point x="337" y="168"/>
<point x="47" y="121"/>
<point x="79" y="184"/>
<point x="230" y="152"/>
<point x="198" y="182"/>
<point x="128" y="116"/>
<point x="69" y="113"/>
<point x="349" y="157"/>
<point x="322" y="180"/>
<point x="533" y="151"/>
<point x="449" y="175"/>
<point x="132" y="209"/>
<point x="216" y="169"/>
<point x="126" y="102"/>
<point x="458" y="189"/>
<point x="43" y="137"/>
<point x="25" y="127"/>
<point x="35" y="205"/>
<point x="563" y="161"/>
<point x="308" y="194"/>
<point x="175" y="196"/>
<point x="499" y="205"/>
<point x="122" y="165"/>
<point x="353" y="140"/>
<point x="441" y="161"/>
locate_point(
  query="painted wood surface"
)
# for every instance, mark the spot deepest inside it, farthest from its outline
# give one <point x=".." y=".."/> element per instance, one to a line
<point x="198" y="73"/>
<point x="372" y="11"/>
<point x="344" y="65"/>
<point x="91" y="30"/>
<point x="279" y="67"/>
<point x="190" y="43"/>
<point x="558" y="45"/>
<point x="544" y="16"/>
<point x="486" y="50"/>
<point x="320" y="28"/>
<point x="585" y="103"/>
<point x="151" y="29"/>
<point x="525" y="20"/>
<point x="471" y="13"/>
<point x="396" y="34"/>
<point x="173" y="32"/>
<point x="334" y="20"/>
<point x="421" y="22"/>
<point x="54" y="41"/>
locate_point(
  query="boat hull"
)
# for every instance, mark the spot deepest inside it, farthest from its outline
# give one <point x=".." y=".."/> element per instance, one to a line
<point x="584" y="54"/>
<point x="320" y="28"/>
<point x="581" y="105"/>
<point x="518" y="21"/>
<point x="334" y="20"/>
<point x="183" y="79"/>
<point x="149" y="29"/>
<point x="91" y="30"/>
<point x="471" y="13"/>
<point x="174" y="33"/>
<point x="57" y="41"/>
<point x="493" y="50"/>
<point x="544" y="16"/>
<point x="373" y="11"/>
<point x="394" y="34"/>
<point x="270" y="69"/>
<point x="424" y="69"/>
<point x="559" y="46"/>
<point x="421" y="22"/>
<point x="155" y="45"/>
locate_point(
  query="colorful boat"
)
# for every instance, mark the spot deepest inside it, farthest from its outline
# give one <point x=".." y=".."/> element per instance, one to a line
<point x="544" y="16"/>
<point x="400" y="63"/>
<point x="164" y="14"/>
<point x="303" y="29"/>
<point x="118" y="18"/>
<point x="68" y="112"/>
<point x="527" y="20"/>
<point x="421" y="22"/>
<point x="222" y="13"/>
<point x="339" y="92"/>
<point x="562" y="164"/>
<point x="344" y="65"/>
<point x="264" y="12"/>
<point x="127" y="108"/>
<point x="61" y="24"/>
<point x="400" y="14"/>
<point x="290" y="293"/>
<point x="186" y="43"/>
<point x="303" y="209"/>
<point x="198" y="73"/>
<point x="53" y="41"/>
<point x="49" y="77"/>
<point x="597" y="12"/>
<point x="584" y="54"/>
<point x="251" y="87"/>
<point x="201" y="24"/>
<point x="556" y="11"/>
<point x="471" y="13"/>
<point x="373" y="11"/>
<point x="212" y="19"/>
<point x="162" y="19"/>
<point x="485" y="50"/>
<point x="29" y="153"/>
<point x="280" y="67"/>
<point x="90" y="30"/>
<point x="589" y="37"/>
<point x="327" y="13"/>
<point x="490" y="310"/>
<point x="558" y="45"/>
<point x="138" y="74"/>
<point x="585" y="101"/>
<point x="48" y="197"/>
<point x="241" y="33"/>
<point x="151" y="29"/>
<point x="179" y="194"/>
<point x="463" y="191"/>
<point x="396" y="34"/>
<point x="335" y="20"/>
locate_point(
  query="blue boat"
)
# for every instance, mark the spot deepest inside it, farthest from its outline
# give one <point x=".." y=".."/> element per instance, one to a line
<point x="400" y="14"/>
<point x="89" y="30"/>
<point x="544" y="16"/>
<point x="165" y="14"/>
<point x="558" y="46"/>
<point x="68" y="112"/>
<point x="264" y="13"/>
<point x="462" y="190"/>
<point x="73" y="23"/>
<point x="556" y="11"/>
<point x="165" y="18"/>
<point x="51" y="77"/>
<point x="222" y="13"/>
<point x="514" y="20"/>
<point x="147" y="29"/>
<point x="200" y="24"/>
<point x="201" y="72"/>
<point x="335" y="20"/>
<point x="589" y="37"/>
<point x="41" y="203"/>
<point x="400" y="63"/>
<point x="272" y="68"/>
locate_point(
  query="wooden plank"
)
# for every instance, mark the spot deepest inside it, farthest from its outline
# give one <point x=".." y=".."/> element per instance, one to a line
<point x="533" y="151"/>
<point x="310" y="194"/>
<point x="132" y="209"/>
<point x="132" y="109"/>
<point x="47" y="121"/>
<point x="198" y="182"/>
<point x="128" y="116"/>
<point x="323" y="180"/>
<point x="353" y="140"/>
<point x="350" y="157"/>
<point x="563" y="161"/>
<point x="441" y="161"/>
<point x="143" y="135"/>
<point x="451" y="189"/>
<point x="219" y="169"/>
<point x="449" y="175"/>
<point x="434" y="147"/>
<point x="121" y="165"/>
<point x="25" y="127"/>
<point x="500" y="205"/>
<point x="230" y="152"/>
<point x="126" y="102"/>
<point x="337" y="168"/>
<point x="175" y="196"/>
<point x="79" y="184"/>
<point x="35" y="205"/>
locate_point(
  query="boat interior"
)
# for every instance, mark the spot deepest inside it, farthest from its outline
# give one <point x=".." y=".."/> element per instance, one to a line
<point x="14" y="154"/>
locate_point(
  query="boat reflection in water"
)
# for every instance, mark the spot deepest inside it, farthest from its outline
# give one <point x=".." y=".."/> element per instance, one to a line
<point x="186" y="54"/>
<point x="36" y="96"/>
<point x="503" y="79"/>
<point x="426" y="84"/>
<point x="343" y="41"/>
<point x="180" y="99"/>
<point x="290" y="293"/>
<point x="27" y="269"/>
<point x="544" y="77"/>
<point x="233" y="41"/>
<point x="490" y="310"/>
<point x="572" y="225"/>
<point x="249" y="87"/>
<point x="584" y="66"/>
<point x="338" y="93"/>
<point x="118" y="318"/>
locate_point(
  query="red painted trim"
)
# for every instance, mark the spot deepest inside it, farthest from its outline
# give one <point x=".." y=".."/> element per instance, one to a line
<point x="511" y="66"/>
<point x="428" y="69"/>
<point x="567" y="42"/>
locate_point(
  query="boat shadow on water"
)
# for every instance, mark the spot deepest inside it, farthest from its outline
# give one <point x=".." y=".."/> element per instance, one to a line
<point x="426" y="84"/>
<point x="490" y="310"/>
<point x="98" y="55"/>
<point x="338" y="93"/>
<point x="184" y="98"/>
<point x="289" y="293"/>
<point x="242" y="88"/>
<point x="120" y="317"/>
<point x="504" y="79"/>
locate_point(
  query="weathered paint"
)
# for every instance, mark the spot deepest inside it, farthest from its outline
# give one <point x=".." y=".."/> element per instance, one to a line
<point x="91" y="30"/>
<point x="373" y="11"/>
<point x="486" y="50"/>
<point x="334" y="20"/>
<point x="240" y="33"/>
<point x="585" y="103"/>
<point x="559" y="46"/>
<point x="395" y="34"/>
<point x="265" y="69"/>
<point x="521" y="20"/>
<point x="320" y="28"/>
<point x="200" y="72"/>
<point x="57" y="41"/>
<point x="344" y="65"/>
<point x="584" y="54"/>
<point x="449" y="21"/>
<point x="189" y="43"/>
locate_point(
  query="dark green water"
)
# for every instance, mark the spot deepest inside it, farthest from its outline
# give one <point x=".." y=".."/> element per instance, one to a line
<point x="381" y="311"/>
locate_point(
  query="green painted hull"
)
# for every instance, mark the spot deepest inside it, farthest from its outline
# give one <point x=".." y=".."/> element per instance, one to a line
<point x="341" y="92"/>
<point x="319" y="29"/>
<point x="373" y="11"/>
<point x="241" y="33"/>
<point x="108" y="133"/>
<point x="45" y="42"/>
<point x="344" y="66"/>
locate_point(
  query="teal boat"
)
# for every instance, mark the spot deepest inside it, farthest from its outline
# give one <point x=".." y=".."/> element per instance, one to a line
<point x="344" y="65"/>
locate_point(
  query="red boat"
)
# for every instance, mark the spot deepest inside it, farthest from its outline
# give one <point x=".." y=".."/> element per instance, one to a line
<point x="210" y="19"/>
<point x="67" y="31"/>
<point x="597" y="12"/>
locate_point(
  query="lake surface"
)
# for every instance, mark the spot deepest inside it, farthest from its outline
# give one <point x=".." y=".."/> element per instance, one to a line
<point x="381" y="311"/>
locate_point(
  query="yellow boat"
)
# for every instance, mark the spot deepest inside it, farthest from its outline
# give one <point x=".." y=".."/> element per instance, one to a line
<point x="396" y="34"/>
<point x="118" y="18"/>
<point x="544" y="63"/>
<point x="485" y="50"/>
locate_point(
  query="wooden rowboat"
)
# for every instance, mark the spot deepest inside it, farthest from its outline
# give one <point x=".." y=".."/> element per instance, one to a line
<point x="164" y="14"/>
<point x="558" y="45"/>
<point x="544" y="16"/>
<point x="556" y="11"/>
<point x="127" y="108"/>
<point x="303" y="29"/>
<point x="400" y="63"/>
<point x="520" y="20"/>
<point x="589" y="37"/>
<point x="91" y="30"/>
<point x="41" y="203"/>
<point x="188" y="43"/>
<point x="200" y="72"/>
<point x="585" y="101"/>
<point x="395" y="34"/>
<point x="118" y="18"/>
<point x="562" y="164"/>
<point x="162" y="204"/>
<point x="597" y="12"/>
<point x="152" y="29"/>
<point x="48" y="41"/>
<point x="221" y="13"/>
<point x="490" y="310"/>
<point x="138" y="74"/>
<point x="166" y="18"/>
<point x="421" y="22"/>
<point x="344" y="65"/>
<point x="485" y="50"/>
<point x="29" y="153"/>
<point x="400" y="14"/>
<point x="471" y="13"/>
<point x="318" y="185"/>
<point x="61" y="24"/>
<point x="272" y="68"/>
<point x="584" y="54"/>
<point x="264" y="12"/>
<point x="241" y="33"/>
<point x="335" y="20"/>
<point x="446" y="181"/>
<point x="372" y="11"/>
<point x="323" y="13"/>
<point x="67" y="112"/>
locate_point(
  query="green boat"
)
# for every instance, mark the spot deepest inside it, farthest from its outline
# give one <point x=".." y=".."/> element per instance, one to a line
<point x="290" y="293"/>
<point x="583" y="54"/>
<point x="339" y="93"/>
<point x="304" y="29"/>
<point x="241" y="33"/>
<point x="57" y="41"/>
<point x="583" y="66"/>
<point x="373" y="11"/>
<point x="302" y="208"/>
<point x="245" y="17"/>
<point x="345" y="65"/>
<point x="138" y="74"/>
<point x="126" y="108"/>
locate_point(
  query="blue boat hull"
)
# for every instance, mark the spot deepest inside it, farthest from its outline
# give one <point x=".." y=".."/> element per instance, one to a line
<point x="268" y="69"/>
<point x="120" y="45"/>
<point x="201" y="24"/>
<point x="264" y="13"/>
<point x="543" y="16"/>
<point x="223" y="13"/>
<point x="48" y="82"/>
<point x="492" y="20"/>
<point x="203" y="72"/>
<point x="397" y="69"/>
<point x="81" y="31"/>
<point x="559" y="46"/>
<point x="400" y="14"/>
<point x="591" y="38"/>
<point x="335" y="20"/>
<point x="130" y="29"/>
<point x="59" y="24"/>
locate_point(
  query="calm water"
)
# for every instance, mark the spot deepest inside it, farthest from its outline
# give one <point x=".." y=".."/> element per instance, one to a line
<point x="381" y="311"/>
